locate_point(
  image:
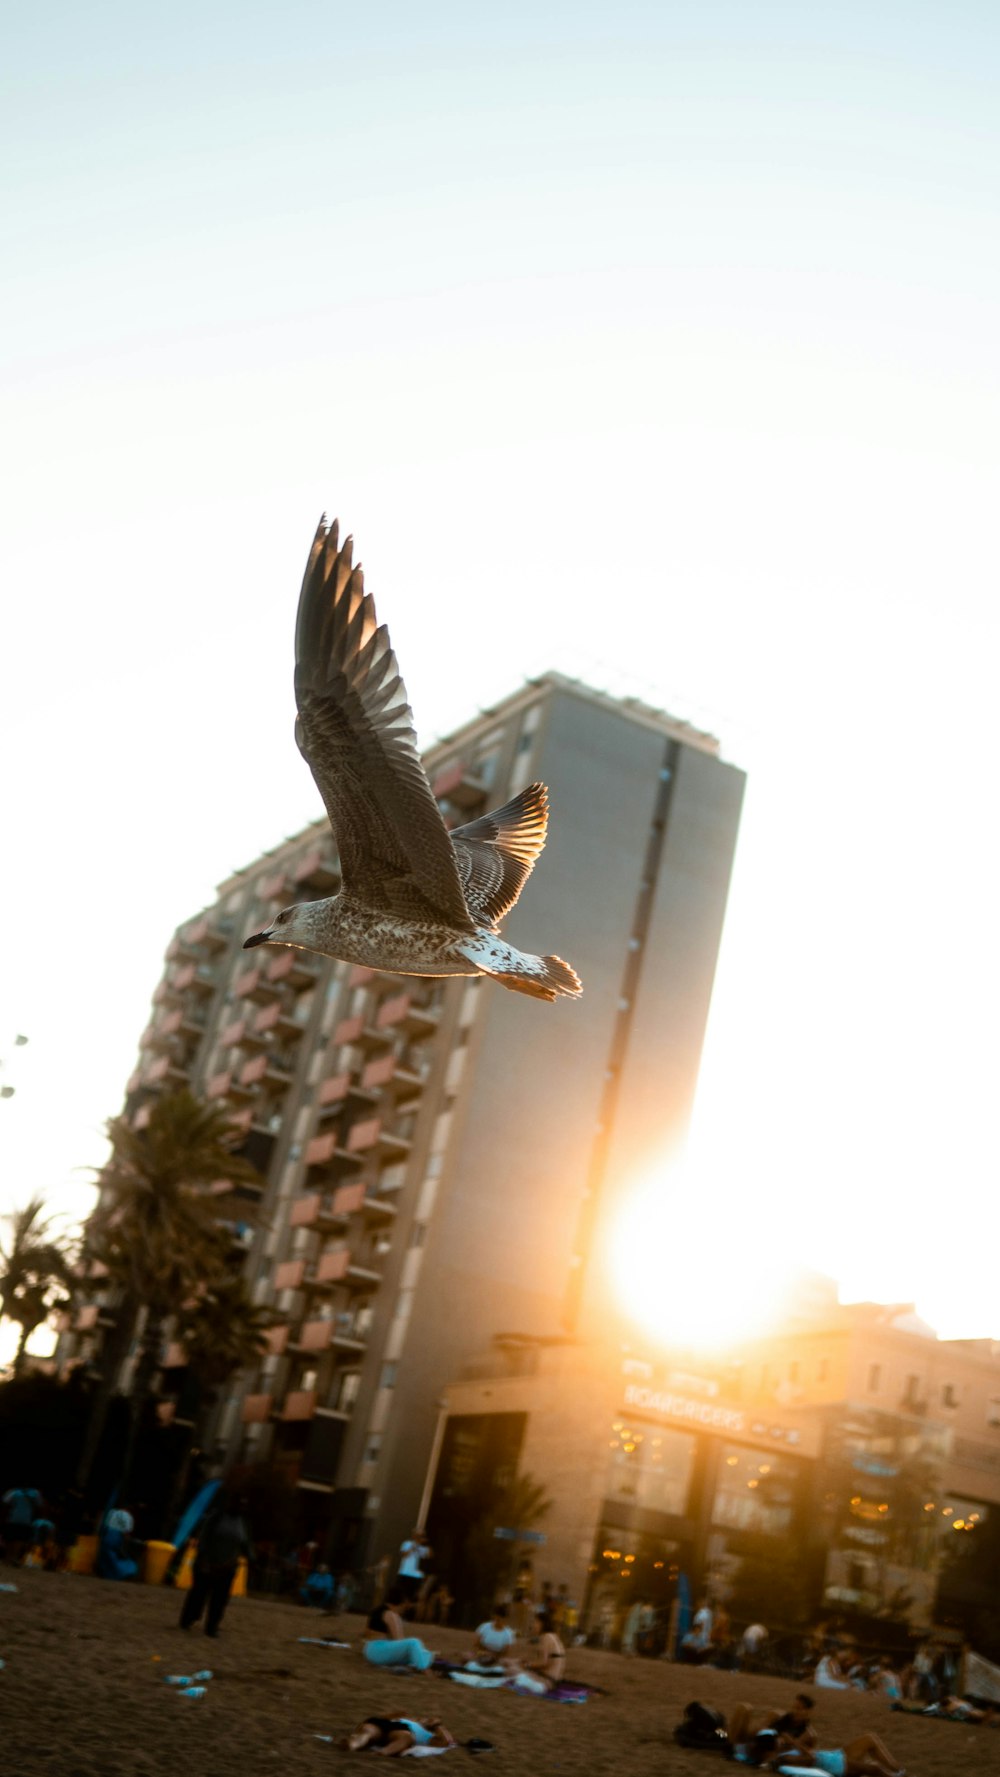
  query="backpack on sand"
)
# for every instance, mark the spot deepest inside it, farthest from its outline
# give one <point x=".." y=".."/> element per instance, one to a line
<point x="703" y="1729"/>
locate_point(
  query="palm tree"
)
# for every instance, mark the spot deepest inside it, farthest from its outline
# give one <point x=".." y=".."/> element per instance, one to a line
<point x="517" y="1504"/>
<point x="222" y="1331"/>
<point x="155" y="1229"/>
<point x="36" y="1272"/>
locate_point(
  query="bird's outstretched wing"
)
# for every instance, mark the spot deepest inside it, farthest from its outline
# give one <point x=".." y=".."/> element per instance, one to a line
<point x="496" y="853"/>
<point x="355" y="731"/>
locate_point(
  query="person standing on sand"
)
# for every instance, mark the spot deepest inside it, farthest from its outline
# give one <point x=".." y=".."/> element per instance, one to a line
<point x="223" y="1538"/>
<point x="414" y="1552"/>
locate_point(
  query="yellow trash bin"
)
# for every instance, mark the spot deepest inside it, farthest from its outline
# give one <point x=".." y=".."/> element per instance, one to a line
<point x="156" y="1561"/>
<point x="240" y="1582"/>
<point x="83" y="1555"/>
<point x="183" y="1576"/>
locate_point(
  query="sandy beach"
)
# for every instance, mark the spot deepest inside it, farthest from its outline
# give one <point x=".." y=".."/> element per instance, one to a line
<point x="82" y="1694"/>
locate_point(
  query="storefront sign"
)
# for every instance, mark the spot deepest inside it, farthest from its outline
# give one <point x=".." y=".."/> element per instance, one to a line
<point x="683" y="1407"/>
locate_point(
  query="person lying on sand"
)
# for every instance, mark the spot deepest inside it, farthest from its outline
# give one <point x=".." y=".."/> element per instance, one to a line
<point x="794" y="1725"/>
<point x="382" y="1734"/>
<point x="867" y="1756"/>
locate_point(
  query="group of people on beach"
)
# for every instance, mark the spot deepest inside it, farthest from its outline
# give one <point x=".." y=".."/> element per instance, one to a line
<point x="787" y="1740"/>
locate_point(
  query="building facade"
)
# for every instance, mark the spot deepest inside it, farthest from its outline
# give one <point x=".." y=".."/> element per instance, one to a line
<point x="853" y="1437"/>
<point x="441" y="1156"/>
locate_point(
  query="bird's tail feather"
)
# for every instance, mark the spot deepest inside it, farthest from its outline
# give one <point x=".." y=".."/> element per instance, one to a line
<point x="550" y="978"/>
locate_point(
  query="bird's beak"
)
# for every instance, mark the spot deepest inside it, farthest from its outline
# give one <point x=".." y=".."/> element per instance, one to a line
<point x="258" y="938"/>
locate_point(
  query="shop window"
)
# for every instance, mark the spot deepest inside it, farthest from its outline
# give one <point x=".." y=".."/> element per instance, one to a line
<point x="651" y="1467"/>
<point x="754" y="1491"/>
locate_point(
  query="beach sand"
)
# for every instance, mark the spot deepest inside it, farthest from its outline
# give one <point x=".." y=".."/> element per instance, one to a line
<point x="82" y="1695"/>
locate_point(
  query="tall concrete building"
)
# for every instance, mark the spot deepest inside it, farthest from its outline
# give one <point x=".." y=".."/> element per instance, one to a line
<point x="442" y="1156"/>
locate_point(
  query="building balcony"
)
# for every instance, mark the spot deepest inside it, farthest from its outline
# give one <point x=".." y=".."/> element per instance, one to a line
<point x="318" y="1210"/>
<point x="360" y="976"/>
<point x="359" y="1035"/>
<point x="156" y="1072"/>
<point x="323" y="1151"/>
<point x="459" y="785"/>
<point x="252" y="984"/>
<point x="266" y="1019"/>
<point x="276" y="1019"/>
<point x="372" y="1137"/>
<point x="300" y="1404"/>
<point x="218" y="1085"/>
<point x="277" y="1339"/>
<point x="175" y="1357"/>
<point x="378" y="1073"/>
<point x="338" y="1267"/>
<point x="347" y="1199"/>
<point x="297" y="968"/>
<point x="252" y="1072"/>
<point x="195" y="978"/>
<point x="257" y="1409"/>
<point x="86" y="1318"/>
<point x="332" y="1093"/>
<point x="194" y="1018"/>
<point x="233" y="1033"/>
<point x="316" y="871"/>
<point x="313" y="1336"/>
<point x="217" y="933"/>
<point x="272" y="887"/>
<point x="379" y="1209"/>
<point x="290" y="1274"/>
<point x="242" y="1119"/>
<point x="404" y="1012"/>
<point x="160" y="1034"/>
<point x="239" y="1192"/>
<point x="331" y="1267"/>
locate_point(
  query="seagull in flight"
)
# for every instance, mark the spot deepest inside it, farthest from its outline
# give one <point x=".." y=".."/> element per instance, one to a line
<point x="414" y="898"/>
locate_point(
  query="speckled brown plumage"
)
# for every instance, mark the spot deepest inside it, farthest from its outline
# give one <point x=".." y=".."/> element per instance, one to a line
<point x="414" y="899"/>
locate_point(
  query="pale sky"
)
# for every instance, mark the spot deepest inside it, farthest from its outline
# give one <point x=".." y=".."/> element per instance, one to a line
<point x="653" y="343"/>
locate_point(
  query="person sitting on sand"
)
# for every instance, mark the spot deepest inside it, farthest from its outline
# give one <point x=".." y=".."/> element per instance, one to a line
<point x="830" y="1675"/>
<point x="865" y="1756"/>
<point x="548" y="1663"/>
<point x="494" y="1638"/>
<point x="386" y="1642"/>
<point x="391" y="1738"/>
<point x="318" y="1590"/>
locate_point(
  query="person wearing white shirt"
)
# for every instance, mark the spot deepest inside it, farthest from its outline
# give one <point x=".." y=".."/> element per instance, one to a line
<point x="494" y="1638"/>
<point x="414" y="1552"/>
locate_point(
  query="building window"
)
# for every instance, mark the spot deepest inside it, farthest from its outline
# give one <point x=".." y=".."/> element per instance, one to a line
<point x="949" y="1395"/>
<point x="874" y="1378"/>
<point x="388" y="1376"/>
<point x="373" y="1447"/>
<point x="650" y="1467"/>
<point x="754" y="1491"/>
<point x="347" y="1393"/>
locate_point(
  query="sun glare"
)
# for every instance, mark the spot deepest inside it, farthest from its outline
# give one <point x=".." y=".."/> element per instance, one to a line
<point x="689" y="1268"/>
